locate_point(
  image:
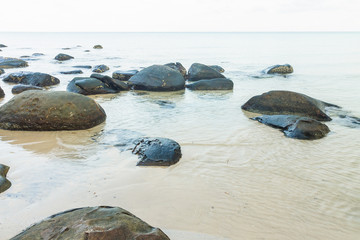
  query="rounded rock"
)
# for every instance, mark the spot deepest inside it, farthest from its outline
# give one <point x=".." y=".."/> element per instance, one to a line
<point x="63" y="57"/>
<point x="211" y="84"/>
<point x="22" y="88"/>
<point x="32" y="78"/>
<point x="199" y="71"/>
<point x="100" y="68"/>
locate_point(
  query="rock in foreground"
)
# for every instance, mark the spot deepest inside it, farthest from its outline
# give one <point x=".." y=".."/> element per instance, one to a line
<point x="32" y="78"/>
<point x="288" y="103"/>
<point x="12" y="63"/>
<point x="199" y="71"/>
<point x="279" y="69"/>
<point x="63" y="57"/>
<point x="4" y="183"/>
<point x="93" y="223"/>
<point x="50" y="111"/>
<point x="211" y="84"/>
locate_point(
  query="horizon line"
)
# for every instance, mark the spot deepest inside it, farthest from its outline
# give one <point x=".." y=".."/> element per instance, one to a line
<point x="180" y="32"/>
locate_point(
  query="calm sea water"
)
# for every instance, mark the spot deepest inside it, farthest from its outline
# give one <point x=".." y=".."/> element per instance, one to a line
<point x="237" y="179"/>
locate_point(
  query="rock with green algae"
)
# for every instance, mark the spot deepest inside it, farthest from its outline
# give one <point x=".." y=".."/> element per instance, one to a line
<point x="5" y="184"/>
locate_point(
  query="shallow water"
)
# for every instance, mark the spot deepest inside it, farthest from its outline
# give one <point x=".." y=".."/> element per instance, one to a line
<point x="237" y="178"/>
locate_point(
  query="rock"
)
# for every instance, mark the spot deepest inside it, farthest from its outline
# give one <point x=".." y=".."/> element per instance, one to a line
<point x="97" y="47"/>
<point x="177" y="66"/>
<point x="288" y="103"/>
<point x="50" y="111"/>
<point x="100" y="68"/>
<point x="295" y="126"/>
<point x="4" y="183"/>
<point x="66" y="48"/>
<point x="157" y="152"/>
<point x="217" y="68"/>
<point x="12" y="63"/>
<point x="89" y="86"/>
<point x="211" y="84"/>
<point x="32" y="78"/>
<point x="86" y="50"/>
<point x="82" y="66"/>
<point x="22" y="88"/>
<point x="2" y="93"/>
<point x="63" y="57"/>
<point x="2" y="71"/>
<point x="157" y="78"/>
<point x="92" y="223"/>
<point x="110" y="82"/>
<point x="2" y="46"/>
<point x="72" y="72"/>
<point x="279" y="69"/>
<point x="25" y="56"/>
<point x="37" y="54"/>
<point x="124" y="75"/>
<point x="199" y="71"/>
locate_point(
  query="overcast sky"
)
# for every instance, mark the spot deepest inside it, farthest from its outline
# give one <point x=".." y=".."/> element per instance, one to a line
<point x="180" y="15"/>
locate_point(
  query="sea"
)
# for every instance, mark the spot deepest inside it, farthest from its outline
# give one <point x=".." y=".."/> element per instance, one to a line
<point x="237" y="179"/>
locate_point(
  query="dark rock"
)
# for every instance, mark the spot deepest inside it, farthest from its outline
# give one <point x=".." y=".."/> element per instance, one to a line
<point x="157" y="78"/>
<point x="12" y="63"/>
<point x="63" y="57"/>
<point x="4" y="183"/>
<point x="37" y="54"/>
<point x="50" y="111"/>
<point x="2" y="46"/>
<point x="124" y="75"/>
<point x="89" y="86"/>
<point x="100" y="68"/>
<point x="2" y="93"/>
<point x="110" y="82"/>
<point x="93" y="223"/>
<point x="199" y="71"/>
<point x="2" y="71"/>
<point x="66" y="48"/>
<point x="288" y="103"/>
<point x="72" y="72"/>
<point x="25" y="56"/>
<point x="86" y="50"/>
<point x="22" y="88"/>
<point x="217" y="68"/>
<point x="97" y="47"/>
<point x="157" y="152"/>
<point x="83" y="66"/>
<point x="177" y="66"/>
<point x="32" y="78"/>
<point x="279" y="69"/>
<point x="211" y="84"/>
<point x="295" y="126"/>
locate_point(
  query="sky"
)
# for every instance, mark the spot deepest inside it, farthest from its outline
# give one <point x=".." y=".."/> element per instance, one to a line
<point x="179" y="15"/>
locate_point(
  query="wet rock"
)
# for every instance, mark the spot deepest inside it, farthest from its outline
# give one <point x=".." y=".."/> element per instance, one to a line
<point x="279" y="69"/>
<point x="66" y="48"/>
<point x="72" y="72"/>
<point x="217" y="68"/>
<point x="288" y="103"/>
<point x="296" y="127"/>
<point x="124" y="75"/>
<point x="93" y="223"/>
<point x="211" y="84"/>
<point x="50" y="111"/>
<point x="110" y="82"/>
<point x="100" y="68"/>
<point x="157" y="152"/>
<point x="83" y="66"/>
<point x="37" y="54"/>
<point x="5" y="184"/>
<point x="157" y="78"/>
<point x="2" y="46"/>
<point x="22" y="88"/>
<point x="2" y="93"/>
<point x="63" y="57"/>
<point x="12" y="63"/>
<point x="97" y="47"/>
<point x="89" y="86"/>
<point x="86" y="50"/>
<point x="199" y="71"/>
<point x="177" y="66"/>
<point x="2" y="71"/>
<point x="32" y="78"/>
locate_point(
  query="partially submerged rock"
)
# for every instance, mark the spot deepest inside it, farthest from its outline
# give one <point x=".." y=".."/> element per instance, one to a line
<point x="22" y="88"/>
<point x="32" y="78"/>
<point x="2" y="93"/>
<point x="124" y="75"/>
<point x="37" y="54"/>
<point x="110" y="82"/>
<point x="93" y="223"/>
<point x="83" y="66"/>
<point x="177" y="66"/>
<point x="97" y="47"/>
<point x="50" y="111"/>
<point x="217" y="68"/>
<point x="2" y="46"/>
<point x="6" y="62"/>
<point x="211" y="84"/>
<point x="63" y="57"/>
<point x="288" y="103"/>
<point x="157" y="78"/>
<point x="2" y="71"/>
<point x="157" y="152"/>
<point x="295" y="126"/>
<point x="5" y="184"/>
<point x="72" y="72"/>
<point x="279" y="69"/>
<point x="100" y="68"/>
<point x="199" y="71"/>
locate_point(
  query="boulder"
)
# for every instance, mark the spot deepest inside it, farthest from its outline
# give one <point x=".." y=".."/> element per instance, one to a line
<point x="199" y="71"/>
<point x="110" y="82"/>
<point x="50" y="111"/>
<point x="83" y="66"/>
<point x="157" y="78"/>
<point x="63" y="57"/>
<point x="157" y="152"/>
<point x="93" y="223"/>
<point x="2" y="46"/>
<point x="89" y="86"/>
<point x="288" y="103"/>
<point x="2" y="93"/>
<point x="295" y="126"/>
<point x="12" y="63"/>
<point x="124" y="75"/>
<point x="177" y="66"/>
<point x="2" y="71"/>
<point x="211" y="84"/>
<point x="72" y="72"/>
<point x="32" y="78"/>
<point x="5" y="184"/>
<point x="100" y="68"/>
<point x="97" y="47"/>
<point x="22" y="88"/>
<point x="279" y="69"/>
<point x="217" y="68"/>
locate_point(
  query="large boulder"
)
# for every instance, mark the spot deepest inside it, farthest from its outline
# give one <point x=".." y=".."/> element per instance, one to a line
<point x="93" y="223"/>
<point x="12" y="63"/>
<point x="32" y="78"/>
<point x="295" y="126"/>
<point x="198" y="71"/>
<point x="50" y="111"/>
<point x="22" y="88"/>
<point x="157" y="152"/>
<point x="211" y="84"/>
<point x="288" y="103"/>
<point x="5" y="184"/>
<point x="124" y="75"/>
<point x="100" y="68"/>
<point x="177" y="66"/>
<point x="279" y="69"/>
<point x="63" y="57"/>
<point x="157" y="78"/>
